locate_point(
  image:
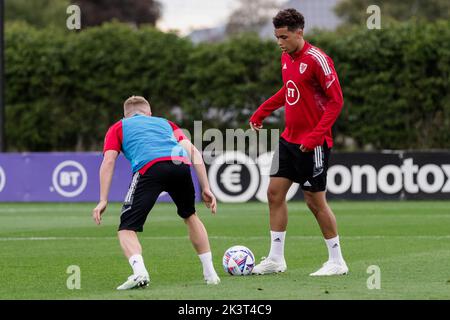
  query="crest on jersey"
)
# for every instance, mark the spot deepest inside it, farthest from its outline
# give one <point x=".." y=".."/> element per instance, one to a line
<point x="303" y="67"/>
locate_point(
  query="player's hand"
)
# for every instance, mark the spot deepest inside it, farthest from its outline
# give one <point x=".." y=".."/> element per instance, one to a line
<point x="255" y="127"/>
<point x="210" y="200"/>
<point x="304" y="149"/>
<point x="98" y="211"/>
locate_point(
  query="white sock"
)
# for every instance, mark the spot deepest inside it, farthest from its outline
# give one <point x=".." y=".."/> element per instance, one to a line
<point x="277" y="245"/>
<point x="137" y="263"/>
<point x="208" y="267"/>
<point x="334" y="250"/>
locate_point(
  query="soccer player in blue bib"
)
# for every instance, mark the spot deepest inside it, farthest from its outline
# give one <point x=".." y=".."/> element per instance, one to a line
<point x="160" y="155"/>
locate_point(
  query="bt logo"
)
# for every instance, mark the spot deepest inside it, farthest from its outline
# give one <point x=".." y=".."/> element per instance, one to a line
<point x="292" y="93"/>
<point x="69" y="179"/>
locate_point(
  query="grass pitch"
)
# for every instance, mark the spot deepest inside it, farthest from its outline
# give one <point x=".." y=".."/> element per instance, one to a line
<point x="408" y="241"/>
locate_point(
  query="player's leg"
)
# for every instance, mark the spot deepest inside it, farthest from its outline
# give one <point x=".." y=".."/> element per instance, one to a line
<point x="132" y="249"/>
<point x="129" y="243"/>
<point x="197" y="234"/>
<point x="181" y="190"/>
<point x="276" y="195"/>
<point x="282" y="175"/>
<point x="314" y="190"/>
<point x="199" y="238"/>
<point x="318" y="205"/>
<point x="140" y="199"/>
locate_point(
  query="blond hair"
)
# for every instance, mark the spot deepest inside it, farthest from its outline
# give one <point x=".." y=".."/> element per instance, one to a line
<point x="136" y="104"/>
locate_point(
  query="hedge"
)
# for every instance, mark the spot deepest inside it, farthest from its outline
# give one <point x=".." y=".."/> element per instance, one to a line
<point x="63" y="89"/>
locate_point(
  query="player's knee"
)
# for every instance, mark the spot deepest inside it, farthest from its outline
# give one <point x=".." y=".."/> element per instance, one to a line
<point x="312" y="205"/>
<point x="275" y="196"/>
<point x="122" y="233"/>
<point x="191" y="218"/>
<point x="125" y="234"/>
<point x="312" y="208"/>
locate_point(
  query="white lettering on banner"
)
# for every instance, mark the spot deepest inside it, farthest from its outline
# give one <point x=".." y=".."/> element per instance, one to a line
<point x="422" y="178"/>
<point x="383" y="183"/>
<point x="389" y="179"/>
<point x="446" y="168"/>
<point x="69" y="178"/>
<point x="409" y="169"/>
<point x="401" y="177"/>
<point x="346" y="179"/>
<point x="370" y="173"/>
<point x="2" y="179"/>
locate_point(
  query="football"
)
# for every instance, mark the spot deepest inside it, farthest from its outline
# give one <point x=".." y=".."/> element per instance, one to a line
<point x="238" y="261"/>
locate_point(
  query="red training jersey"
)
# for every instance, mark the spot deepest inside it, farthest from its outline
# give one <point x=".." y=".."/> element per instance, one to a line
<point x="312" y="97"/>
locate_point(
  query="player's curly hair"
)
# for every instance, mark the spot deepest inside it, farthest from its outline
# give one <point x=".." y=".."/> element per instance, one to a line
<point x="290" y="18"/>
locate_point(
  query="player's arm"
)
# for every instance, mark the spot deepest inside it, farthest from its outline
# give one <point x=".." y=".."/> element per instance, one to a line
<point x="111" y="149"/>
<point x="330" y="85"/>
<point x="200" y="170"/>
<point x="270" y="105"/>
<point x="106" y="174"/>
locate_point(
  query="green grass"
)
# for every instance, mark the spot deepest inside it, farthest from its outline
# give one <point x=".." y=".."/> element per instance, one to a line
<point x="409" y="241"/>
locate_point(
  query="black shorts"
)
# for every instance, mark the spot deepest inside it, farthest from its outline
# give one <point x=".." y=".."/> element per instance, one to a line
<point x="145" y="189"/>
<point x="309" y="169"/>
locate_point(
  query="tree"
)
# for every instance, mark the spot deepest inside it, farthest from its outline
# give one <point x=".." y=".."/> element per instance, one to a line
<point x="251" y="15"/>
<point x="354" y="11"/>
<point x="38" y="13"/>
<point x="95" y="12"/>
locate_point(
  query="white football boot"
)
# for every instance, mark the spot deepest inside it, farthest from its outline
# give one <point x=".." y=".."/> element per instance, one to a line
<point x="268" y="265"/>
<point x="213" y="279"/>
<point x="134" y="282"/>
<point x="331" y="268"/>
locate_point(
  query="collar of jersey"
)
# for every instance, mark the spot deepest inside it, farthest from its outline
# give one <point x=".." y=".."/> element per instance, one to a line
<point x="300" y="53"/>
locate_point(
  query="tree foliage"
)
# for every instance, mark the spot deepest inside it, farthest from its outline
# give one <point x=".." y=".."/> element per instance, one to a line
<point x="71" y="86"/>
<point x="38" y="13"/>
<point x="64" y="89"/>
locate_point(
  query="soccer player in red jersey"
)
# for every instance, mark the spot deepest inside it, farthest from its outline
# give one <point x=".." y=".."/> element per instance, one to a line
<point x="312" y="97"/>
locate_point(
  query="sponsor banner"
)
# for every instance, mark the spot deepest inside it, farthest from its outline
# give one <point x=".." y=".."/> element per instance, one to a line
<point x="234" y="177"/>
<point x="427" y="175"/>
<point x="364" y="176"/>
<point x="61" y="177"/>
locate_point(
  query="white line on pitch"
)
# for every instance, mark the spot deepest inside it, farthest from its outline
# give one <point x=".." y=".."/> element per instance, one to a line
<point x="227" y="237"/>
